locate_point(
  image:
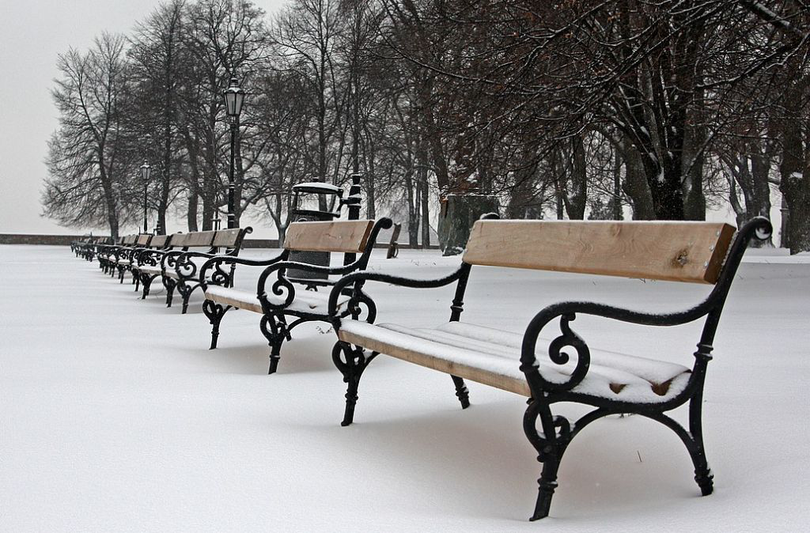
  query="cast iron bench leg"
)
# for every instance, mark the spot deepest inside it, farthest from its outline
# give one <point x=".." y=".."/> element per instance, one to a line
<point x="462" y="393"/>
<point x="351" y="361"/>
<point x="214" y="312"/>
<point x="275" y="331"/>
<point x="170" y="284"/>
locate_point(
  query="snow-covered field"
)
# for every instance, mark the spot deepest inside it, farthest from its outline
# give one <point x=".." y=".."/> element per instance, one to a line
<point x="114" y="415"/>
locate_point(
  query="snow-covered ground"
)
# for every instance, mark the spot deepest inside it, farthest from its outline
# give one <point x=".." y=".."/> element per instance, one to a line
<point x="114" y="415"/>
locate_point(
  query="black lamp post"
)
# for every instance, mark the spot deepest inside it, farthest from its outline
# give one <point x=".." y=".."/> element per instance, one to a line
<point x="146" y="170"/>
<point x="234" y="98"/>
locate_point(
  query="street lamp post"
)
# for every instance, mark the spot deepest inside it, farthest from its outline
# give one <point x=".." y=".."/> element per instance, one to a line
<point x="146" y="170"/>
<point x="234" y="98"/>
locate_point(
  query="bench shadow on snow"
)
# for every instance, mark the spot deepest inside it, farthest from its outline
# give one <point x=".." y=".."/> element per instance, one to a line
<point x="486" y="467"/>
<point x="243" y="350"/>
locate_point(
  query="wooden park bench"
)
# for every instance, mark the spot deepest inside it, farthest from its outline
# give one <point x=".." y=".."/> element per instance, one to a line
<point x="282" y="286"/>
<point x="178" y="266"/>
<point x="566" y="368"/>
<point x="105" y="254"/>
<point x="115" y="258"/>
<point x="122" y="257"/>
<point x="148" y="257"/>
<point x="87" y="249"/>
<point x="79" y="246"/>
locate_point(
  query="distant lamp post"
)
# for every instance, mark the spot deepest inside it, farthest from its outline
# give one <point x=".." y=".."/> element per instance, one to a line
<point x="234" y="98"/>
<point x="146" y="170"/>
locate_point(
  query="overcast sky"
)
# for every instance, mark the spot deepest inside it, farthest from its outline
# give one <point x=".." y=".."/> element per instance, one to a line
<point x="32" y="34"/>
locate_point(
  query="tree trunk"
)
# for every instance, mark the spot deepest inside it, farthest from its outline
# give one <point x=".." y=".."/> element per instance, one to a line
<point x="457" y="217"/>
<point x="795" y="180"/>
<point x="425" y="190"/>
<point x="693" y="162"/>
<point x="414" y="199"/>
<point x="191" y="212"/>
<point x="371" y="173"/>
<point x="616" y="201"/>
<point x="576" y="201"/>
<point x="636" y="186"/>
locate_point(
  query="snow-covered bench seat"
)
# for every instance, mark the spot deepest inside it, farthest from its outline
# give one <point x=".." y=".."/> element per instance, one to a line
<point x="178" y="259"/>
<point x="561" y="366"/>
<point x="280" y="296"/>
<point x="491" y="356"/>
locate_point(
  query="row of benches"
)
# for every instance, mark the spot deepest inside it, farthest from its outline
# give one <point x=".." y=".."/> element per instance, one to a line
<point x="560" y="368"/>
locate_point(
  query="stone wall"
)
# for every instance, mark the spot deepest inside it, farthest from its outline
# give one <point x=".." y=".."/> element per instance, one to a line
<point x="54" y="240"/>
<point x="65" y="240"/>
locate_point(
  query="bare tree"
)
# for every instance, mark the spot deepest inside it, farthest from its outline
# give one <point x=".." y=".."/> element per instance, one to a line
<point x="156" y="52"/>
<point x="89" y="164"/>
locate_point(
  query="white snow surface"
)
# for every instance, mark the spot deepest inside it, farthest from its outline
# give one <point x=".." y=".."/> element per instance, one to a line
<point x="115" y="416"/>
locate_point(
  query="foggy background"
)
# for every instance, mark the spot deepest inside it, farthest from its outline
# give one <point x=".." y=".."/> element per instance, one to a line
<point x="32" y="34"/>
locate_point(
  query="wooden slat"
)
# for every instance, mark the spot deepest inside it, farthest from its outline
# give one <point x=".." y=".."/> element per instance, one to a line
<point x="226" y="237"/>
<point x="349" y="236"/>
<point x="199" y="238"/>
<point x="143" y="240"/>
<point x="662" y="250"/>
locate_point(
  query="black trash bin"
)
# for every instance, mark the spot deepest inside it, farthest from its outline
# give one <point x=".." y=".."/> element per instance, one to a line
<point x="313" y="201"/>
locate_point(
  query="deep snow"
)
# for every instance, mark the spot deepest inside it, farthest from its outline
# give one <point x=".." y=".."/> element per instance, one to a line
<point x="114" y="415"/>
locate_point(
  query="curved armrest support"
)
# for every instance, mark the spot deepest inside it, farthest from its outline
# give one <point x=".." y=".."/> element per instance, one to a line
<point x="567" y="312"/>
<point x="185" y="267"/>
<point x="284" y="287"/>
<point x="124" y="253"/>
<point x="148" y="256"/>
<point x="358" y="279"/>
<point x="143" y="256"/>
<point x="221" y="277"/>
<point x="169" y="259"/>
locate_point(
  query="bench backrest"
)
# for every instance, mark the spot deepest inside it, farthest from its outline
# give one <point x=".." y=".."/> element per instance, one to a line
<point x="143" y="239"/>
<point x="661" y="250"/>
<point x="347" y="236"/>
<point x="198" y="239"/>
<point x="224" y="238"/>
<point x="159" y="241"/>
<point x="227" y="238"/>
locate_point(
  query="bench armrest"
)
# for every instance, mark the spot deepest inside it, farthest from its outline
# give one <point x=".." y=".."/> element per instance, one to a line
<point x="221" y="277"/>
<point x="122" y="252"/>
<point x="185" y="267"/>
<point x="283" y="285"/>
<point x="169" y="259"/>
<point x="148" y="256"/>
<point x="143" y="256"/>
<point x="358" y="279"/>
<point x="567" y="312"/>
